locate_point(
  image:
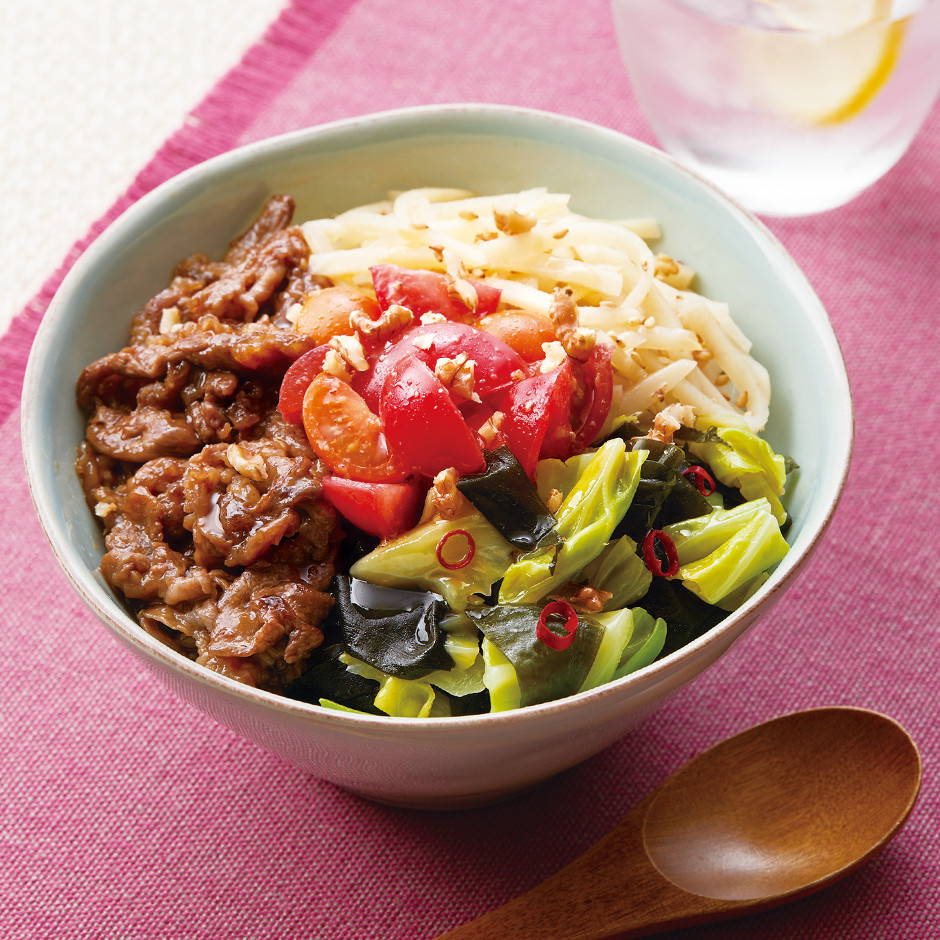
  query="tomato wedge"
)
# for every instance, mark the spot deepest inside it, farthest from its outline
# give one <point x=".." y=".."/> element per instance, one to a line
<point x="538" y="416"/>
<point x="427" y="292"/>
<point x="496" y="362"/>
<point x="381" y="509"/>
<point x="598" y="376"/>
<point x="297" y="378"/>
<point x="346" y="435"/>
<point x="424" y="426"/>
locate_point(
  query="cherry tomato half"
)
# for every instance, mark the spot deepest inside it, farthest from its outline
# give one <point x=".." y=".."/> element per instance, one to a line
<point x="297" y="378"/>
<point x="346" y="435"/>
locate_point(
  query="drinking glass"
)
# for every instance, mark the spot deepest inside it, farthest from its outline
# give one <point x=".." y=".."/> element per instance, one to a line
<point x="790" y="106"/>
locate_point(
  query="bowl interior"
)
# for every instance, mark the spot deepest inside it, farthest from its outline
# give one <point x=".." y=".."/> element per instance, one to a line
<point x="335" y="167"/>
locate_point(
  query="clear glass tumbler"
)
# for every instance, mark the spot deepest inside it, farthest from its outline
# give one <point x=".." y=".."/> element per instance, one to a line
<point x="790" y="106"/>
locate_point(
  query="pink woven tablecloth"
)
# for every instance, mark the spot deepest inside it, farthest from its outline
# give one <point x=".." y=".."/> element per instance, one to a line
<point x="128" y="815"/>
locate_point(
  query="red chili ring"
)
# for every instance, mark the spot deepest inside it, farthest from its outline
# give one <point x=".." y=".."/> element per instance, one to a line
<point x="471" y="549"/>
<point x="703" y="480"/>
<point x="652" y="559"/>
<point x="549" y="637"/>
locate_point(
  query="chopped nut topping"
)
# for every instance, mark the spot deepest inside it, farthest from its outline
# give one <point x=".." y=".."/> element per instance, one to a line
<point x="345" y="357"/>
<point x="490" y="428"/>
<point x="457" y="284"/>
<point x="582" y="597"/>
<point x="252" y="467"/>
<point x="742" y="400"/>
<point x="444" y="496"/>
<point x="468" y="216"/>
<point x="563" y="312"/>
<point x="555" y="355"/>
<point x="457" y="375"/>
<point x="391" y="321"/>
<point x="721" y="379"/>
<point x="514" y="222"/>
<point x="555" y="500"/>
<point x="669" y="420"/>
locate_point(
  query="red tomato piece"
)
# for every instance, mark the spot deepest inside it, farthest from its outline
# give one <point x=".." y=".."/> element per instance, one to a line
<point x="424" y="426"/>
<point x="299" y="375"/>
<point x="538" y="416"/>
<point x="427" y="292"/>
<point x="346" y="435"/>
<point x="598" y="376"/>
<point x="385" y="510"/>
<point x="496" y="362"/>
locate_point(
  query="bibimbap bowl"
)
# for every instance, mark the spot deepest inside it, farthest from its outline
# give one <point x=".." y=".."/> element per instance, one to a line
<point x="439" y="762"/>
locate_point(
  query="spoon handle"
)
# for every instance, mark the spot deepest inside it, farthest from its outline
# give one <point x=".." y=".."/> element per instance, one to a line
<point x="611" y="891"/>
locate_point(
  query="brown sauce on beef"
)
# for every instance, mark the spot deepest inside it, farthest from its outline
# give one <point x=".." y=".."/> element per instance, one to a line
<point x="214" y="529"/>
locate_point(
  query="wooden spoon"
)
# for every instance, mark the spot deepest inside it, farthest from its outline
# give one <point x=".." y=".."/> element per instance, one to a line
<point x="767" y="816"/>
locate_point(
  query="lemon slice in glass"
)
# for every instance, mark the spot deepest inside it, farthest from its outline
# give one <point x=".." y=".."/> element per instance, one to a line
<point x="818" y="71"/>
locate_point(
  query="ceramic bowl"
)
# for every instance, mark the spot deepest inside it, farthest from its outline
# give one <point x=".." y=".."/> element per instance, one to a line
<point x="453" y="762"/>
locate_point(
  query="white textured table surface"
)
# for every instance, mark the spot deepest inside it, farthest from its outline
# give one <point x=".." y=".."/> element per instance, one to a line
<point x="89" y="90"/>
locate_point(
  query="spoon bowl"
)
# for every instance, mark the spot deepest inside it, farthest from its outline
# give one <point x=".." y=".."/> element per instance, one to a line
<point x="765" y="817"/>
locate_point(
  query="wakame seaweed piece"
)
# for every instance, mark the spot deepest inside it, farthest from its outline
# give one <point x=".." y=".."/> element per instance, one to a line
<point x="328" y="678"/>
<point x="687" y="616"/>
<point x="509" y="501"/>
<point x="544" y="674"/>
<point x="404" y="641"/>
<point x="663" y="494"/>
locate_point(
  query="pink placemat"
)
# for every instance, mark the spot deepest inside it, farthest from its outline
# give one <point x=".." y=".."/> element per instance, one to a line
<point x="124" y="814"/>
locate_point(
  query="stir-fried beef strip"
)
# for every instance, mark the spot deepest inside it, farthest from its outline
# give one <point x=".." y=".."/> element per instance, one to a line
<point x="214" y="527"/>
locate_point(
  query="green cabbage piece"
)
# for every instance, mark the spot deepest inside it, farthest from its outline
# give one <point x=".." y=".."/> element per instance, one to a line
<point x="619" y="570"/>
<point x="592" y="507"/>
<point x="698" y="537"/>
<point x="645" y="643"/>
<point x="500" y="679"/>
<point x="756" y="546"/>
<point x="520" y="670"/>
<point x="741" y="459"/>
<point x="411" y="559"/>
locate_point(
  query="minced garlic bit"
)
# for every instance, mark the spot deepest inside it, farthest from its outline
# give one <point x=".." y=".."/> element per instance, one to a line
<point x="103" y="510"/>
<point x="252" y="466"/>
<point x="458" y="375"/>
<point x="169" y="320"/>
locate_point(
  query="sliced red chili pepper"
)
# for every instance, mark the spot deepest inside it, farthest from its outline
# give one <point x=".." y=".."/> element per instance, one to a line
<point x="657" y="537"/>
<point x="467" y="557"/>
<point x="703" y="480"/>
<point x="549" y="637"/>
